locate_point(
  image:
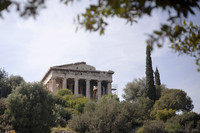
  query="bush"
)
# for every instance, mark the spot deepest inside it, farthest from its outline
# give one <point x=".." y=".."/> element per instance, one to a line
<point x="31" y="108"/>
<point x="189" y="121"/>
<point x="61" y="130"/>
<point x="109" y="116"/>
<point x="5" y="123"/>
<point x="140" y="130"/>
<point x="63" y="92"/>
<point x="62" y="115"/>
<point x="154" y="127"/>
<point x="72" y="112"/>
<point x="71" y="101"/>
<point x="165" y="114"/>
<point x="174" y="128"/>
<point x="141" y="109"/>
<point x="173" y="99"/>
<point x="81" y="123"/>
<point x="90" y="106"/>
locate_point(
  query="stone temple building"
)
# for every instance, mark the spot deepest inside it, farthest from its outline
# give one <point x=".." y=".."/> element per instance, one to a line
<point x="80" y="78"/>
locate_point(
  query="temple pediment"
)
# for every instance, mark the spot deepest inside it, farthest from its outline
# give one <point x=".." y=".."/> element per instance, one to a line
<point x="76" y="66"/>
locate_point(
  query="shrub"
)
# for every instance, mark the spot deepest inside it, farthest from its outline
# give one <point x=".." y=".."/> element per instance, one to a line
<point x="165" y="114"/>
<point x="62" y="115"/>
<point x="71" y="101"/>
<point x="80" y="123"/>
<point x="189" y="121"/>
<point x="63" y="92"/>
<point x="154" y="127"/>
<point x="31" y="108"/>
<point x="5" y="123"/>
<point x="108" y="116"/>
<point x="173" y="128"/>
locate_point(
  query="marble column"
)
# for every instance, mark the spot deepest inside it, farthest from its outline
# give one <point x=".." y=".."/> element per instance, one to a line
<point x="76" y="87"/>
<point x="109" y="88"/>
<point x="53" y="85"/>
<point x="87" y="88"/>
<point x="64" y="83"/>
<point x="99" y="89"/>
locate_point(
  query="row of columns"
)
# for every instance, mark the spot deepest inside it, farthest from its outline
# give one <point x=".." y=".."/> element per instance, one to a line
<point x="76" y="93"/>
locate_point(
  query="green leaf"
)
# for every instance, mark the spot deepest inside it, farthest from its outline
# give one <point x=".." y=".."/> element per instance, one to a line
<point x="191" y="24"/>
<point x="102" y="31"/>
<point x="158" y="33"/>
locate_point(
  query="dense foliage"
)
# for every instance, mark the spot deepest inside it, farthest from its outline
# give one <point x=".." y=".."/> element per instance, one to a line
<point x="72" y="101"/>
<point x="173" y="99"/>
<point x="152" y="127"/>
<point x="108" y="116"/>
<point x="5" y="119"/>
<point x="134" y="89"/>
<point x="8" y="83"/>
<point x="186" y="122"/>
<point x="165" y="114"/>
<point x="31" y="108"/>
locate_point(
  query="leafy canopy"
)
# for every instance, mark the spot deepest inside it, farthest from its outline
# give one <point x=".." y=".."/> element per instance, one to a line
<point x="71" y="101"/>
<point x="134" y="89"/>
<point x="165" y="114"/>
<point x="8" y="83"/>
<point x="173" y="99"/>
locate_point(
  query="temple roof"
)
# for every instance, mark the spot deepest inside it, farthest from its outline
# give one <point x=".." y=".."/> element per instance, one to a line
<point x="78" y="66"/>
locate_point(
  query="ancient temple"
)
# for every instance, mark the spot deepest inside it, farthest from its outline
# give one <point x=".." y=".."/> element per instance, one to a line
<point x="80" y="78"/>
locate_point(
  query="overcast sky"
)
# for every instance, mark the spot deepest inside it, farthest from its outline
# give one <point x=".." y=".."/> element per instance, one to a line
<point x="29" y="47"/>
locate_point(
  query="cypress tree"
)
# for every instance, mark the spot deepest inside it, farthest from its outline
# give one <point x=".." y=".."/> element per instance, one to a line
<point x="150" y="87"/>
<point x="157" y="77"/>
<point x="157" y="84"/>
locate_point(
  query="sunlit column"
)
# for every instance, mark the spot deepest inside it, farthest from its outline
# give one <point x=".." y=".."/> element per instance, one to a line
<point x="87" y="88"/>
<point x="109" y="87"/>
<point x="64" y="83"/>
<point x="53" y="85"/>
<point x="99" y="89"/>
<point x="76" y="87"/>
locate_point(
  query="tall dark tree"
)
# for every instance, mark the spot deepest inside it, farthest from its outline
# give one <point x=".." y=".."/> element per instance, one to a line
<point x="150" y="87"/>
<point x="157" y="77"/>
<point x="157" y="84"/>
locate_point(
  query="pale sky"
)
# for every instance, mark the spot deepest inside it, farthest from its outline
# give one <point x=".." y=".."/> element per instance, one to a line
<point x="29" y="47"/>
